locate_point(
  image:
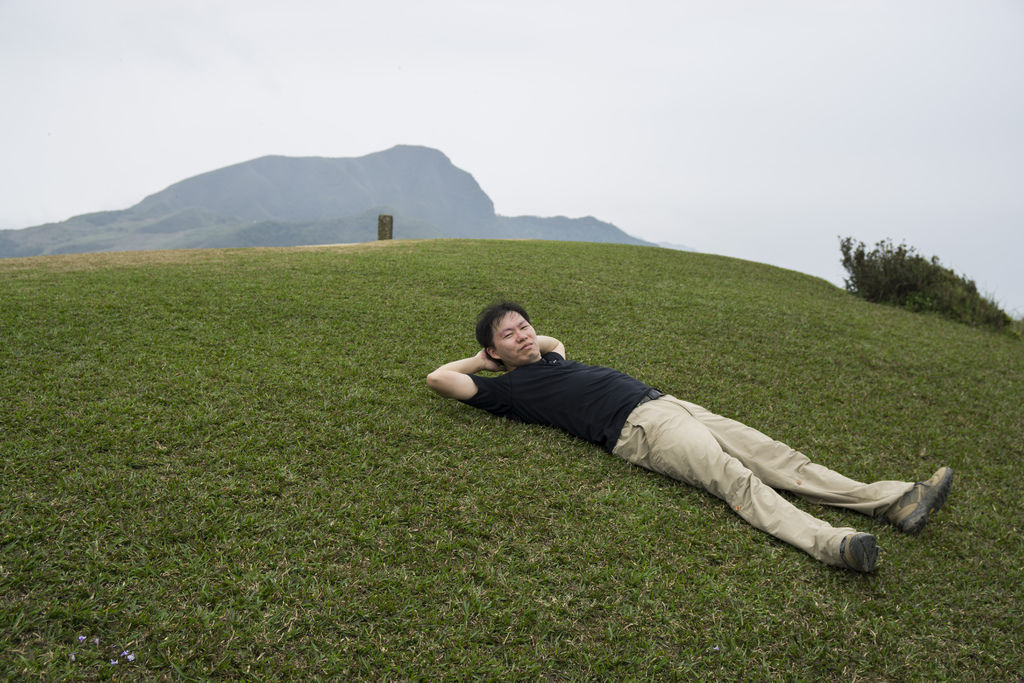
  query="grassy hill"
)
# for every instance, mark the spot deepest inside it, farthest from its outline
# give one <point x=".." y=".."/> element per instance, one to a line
<point x="227" y="463"/>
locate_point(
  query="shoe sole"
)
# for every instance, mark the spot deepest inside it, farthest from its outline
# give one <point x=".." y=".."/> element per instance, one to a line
<point x="861" y="555"/>
<point x="931" y="501"/>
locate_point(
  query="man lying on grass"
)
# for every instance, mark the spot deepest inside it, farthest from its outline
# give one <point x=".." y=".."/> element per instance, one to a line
<point x="678" y="439"/>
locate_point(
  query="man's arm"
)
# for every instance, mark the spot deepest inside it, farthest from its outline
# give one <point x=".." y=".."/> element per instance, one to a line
<point x="452" y="380"/>
<point x="549" y="344"/>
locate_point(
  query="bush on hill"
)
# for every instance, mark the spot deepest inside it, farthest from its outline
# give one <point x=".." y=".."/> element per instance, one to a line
<point x="898" y="275"/>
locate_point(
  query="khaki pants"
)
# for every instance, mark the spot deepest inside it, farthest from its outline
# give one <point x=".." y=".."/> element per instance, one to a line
<point x="743" y="467"/>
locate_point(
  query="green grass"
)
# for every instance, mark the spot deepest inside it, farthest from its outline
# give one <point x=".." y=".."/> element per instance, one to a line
<point x="227" y="463"/>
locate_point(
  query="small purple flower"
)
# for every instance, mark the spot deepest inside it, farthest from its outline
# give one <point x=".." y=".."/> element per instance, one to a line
<point x="113" y="662"/>
<point x="131" y="657"/>
<point x="72" y="656"/>
<point x="81" y="639"/>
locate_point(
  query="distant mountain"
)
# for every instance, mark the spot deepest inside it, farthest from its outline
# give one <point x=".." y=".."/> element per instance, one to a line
<point x="677" y="247"/>
<point x="289" y="201"/>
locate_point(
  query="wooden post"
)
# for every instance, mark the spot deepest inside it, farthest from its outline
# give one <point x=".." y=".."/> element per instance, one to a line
<point x="385" y="226"/>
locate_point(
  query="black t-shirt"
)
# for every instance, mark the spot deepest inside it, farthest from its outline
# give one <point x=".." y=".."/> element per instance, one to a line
<point x="588" y="401"/>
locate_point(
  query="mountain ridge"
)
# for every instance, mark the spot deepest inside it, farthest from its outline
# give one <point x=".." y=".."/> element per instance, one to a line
<point x="277" y="200"/>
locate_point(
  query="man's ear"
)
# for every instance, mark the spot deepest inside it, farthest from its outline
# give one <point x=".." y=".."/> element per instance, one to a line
<point x="488" y="350"/>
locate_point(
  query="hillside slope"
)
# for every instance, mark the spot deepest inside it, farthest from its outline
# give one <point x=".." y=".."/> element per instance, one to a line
<point x="286" y="201"/>
<point x="227" y="462"/>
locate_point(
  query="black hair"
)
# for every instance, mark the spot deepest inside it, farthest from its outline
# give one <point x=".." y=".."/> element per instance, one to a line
<point x="492" y="315"/>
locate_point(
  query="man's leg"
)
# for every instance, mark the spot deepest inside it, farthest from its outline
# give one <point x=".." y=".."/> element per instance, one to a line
<point x="782" y="467"/>
<point x="664" y="437"/>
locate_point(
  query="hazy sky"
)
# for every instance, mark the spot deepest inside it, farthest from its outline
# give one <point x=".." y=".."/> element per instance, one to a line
<point x="751" y="128"/>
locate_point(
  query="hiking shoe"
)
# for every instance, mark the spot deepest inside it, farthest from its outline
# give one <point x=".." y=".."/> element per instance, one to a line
<point x="859" y="552"/>
<point x="910" y="513"/>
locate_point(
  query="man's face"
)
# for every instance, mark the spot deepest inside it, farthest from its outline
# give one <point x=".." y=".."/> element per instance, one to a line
<point x="515" y="341"/>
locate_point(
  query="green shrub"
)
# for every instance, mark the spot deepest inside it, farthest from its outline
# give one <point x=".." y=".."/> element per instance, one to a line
<point x="898" y="275"/>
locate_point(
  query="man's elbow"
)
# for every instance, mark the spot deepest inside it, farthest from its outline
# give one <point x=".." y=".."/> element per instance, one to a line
<point x="451" y="384"/>
<point x="439" y="383"/>
<point x="434" y="382"/>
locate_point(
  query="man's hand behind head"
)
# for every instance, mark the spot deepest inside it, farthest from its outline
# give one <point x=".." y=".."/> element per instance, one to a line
<point x="489" y="363"/>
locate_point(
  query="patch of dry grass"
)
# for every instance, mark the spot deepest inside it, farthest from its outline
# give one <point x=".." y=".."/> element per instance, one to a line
<point x="143" y="259"/>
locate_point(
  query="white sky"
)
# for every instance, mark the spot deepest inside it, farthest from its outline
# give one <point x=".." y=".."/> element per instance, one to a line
<point x="762" y="130"/>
